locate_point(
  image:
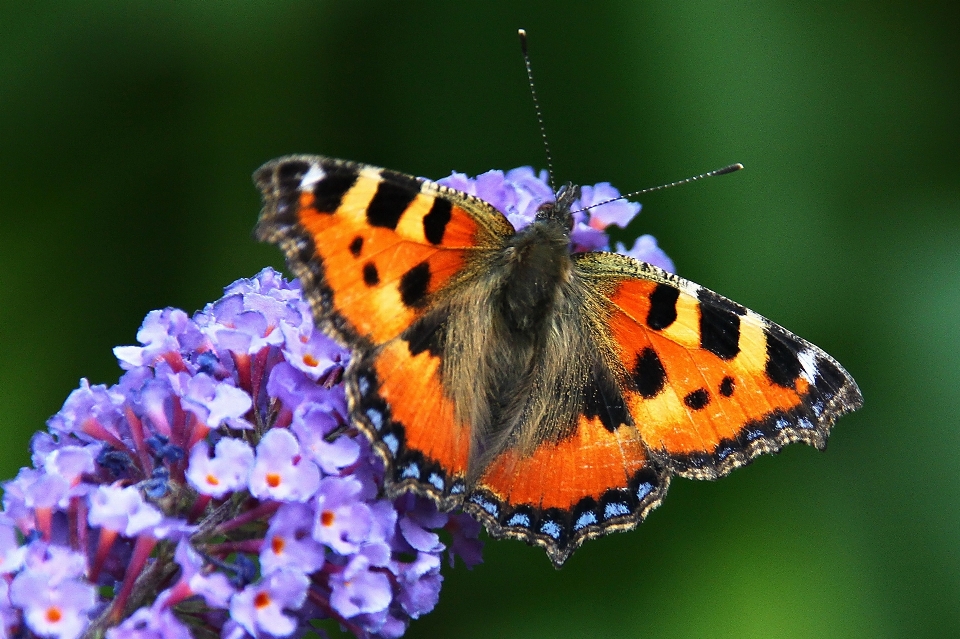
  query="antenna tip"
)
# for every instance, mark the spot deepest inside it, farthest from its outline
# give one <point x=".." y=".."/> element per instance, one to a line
<point x="729" y="169"/>
<point x="523" y="39"/>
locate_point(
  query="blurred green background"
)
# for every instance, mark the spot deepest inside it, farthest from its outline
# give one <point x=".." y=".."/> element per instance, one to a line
<point x="128" y="133"/>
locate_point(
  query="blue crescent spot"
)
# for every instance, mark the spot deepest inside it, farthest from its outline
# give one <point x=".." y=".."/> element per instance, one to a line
<point x="643" y="490"/>
<point x="392" y="442"/>
<point x="363" y="385"/>
<point x="519" y="519"/>
<point x="586" y="519"/>
<point x="411" y="470"/>
<point x="551" y="529"/>
<point x="436" y="481"/>
<point x="375" y="417"/>
<point x="615" y="509"/>
<point x="486" y="504"/>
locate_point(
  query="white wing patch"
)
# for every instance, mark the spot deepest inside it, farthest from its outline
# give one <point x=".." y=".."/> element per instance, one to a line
<point x="314" y="175"/>
<point x="808" y="361"/>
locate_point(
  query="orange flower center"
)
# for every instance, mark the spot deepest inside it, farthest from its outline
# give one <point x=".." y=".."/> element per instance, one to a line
<point x="273" y="480"/>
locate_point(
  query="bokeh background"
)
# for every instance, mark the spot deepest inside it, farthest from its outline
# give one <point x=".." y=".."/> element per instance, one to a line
<point x="128" y="132"/>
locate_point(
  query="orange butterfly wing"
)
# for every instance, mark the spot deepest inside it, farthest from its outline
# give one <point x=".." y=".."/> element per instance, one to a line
<point x="705" y="385"/>
<point x="373" y="249"/>
<point x="712" y="384"/>
<point x="370" y="246"/>
<point x="397" y="398"/>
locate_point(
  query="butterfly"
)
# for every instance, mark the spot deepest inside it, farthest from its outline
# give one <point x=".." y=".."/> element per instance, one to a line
<point x="551" y="395"/>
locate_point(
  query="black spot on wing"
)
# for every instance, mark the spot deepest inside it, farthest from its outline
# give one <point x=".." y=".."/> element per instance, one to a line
<point x="356" y="246"/>
<point x="727" y="386"/>
<point x="370" y="275"/>
<point x="663" y="307"/>
<point x="414" y="285"/>
<point x="783" y="364"/>
<point x="429" y="333"/>
<point x="602" y="399"/>
<point x="394" y="194"/>
<point x="435" y="222"/>
<point x="698" y="399"/>
<point x="719" y="324"/>
<point x="290" y="174"/>
<point x="648" y="374"/>
<point x="328" y="193"/>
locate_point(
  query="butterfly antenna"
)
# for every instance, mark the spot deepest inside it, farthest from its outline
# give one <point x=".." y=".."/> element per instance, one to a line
<point x="727" y="169"/>
<point x="536" y="105"/>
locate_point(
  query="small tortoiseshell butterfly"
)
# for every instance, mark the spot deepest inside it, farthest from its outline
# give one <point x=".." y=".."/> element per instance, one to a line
<point x="552" y="395"/>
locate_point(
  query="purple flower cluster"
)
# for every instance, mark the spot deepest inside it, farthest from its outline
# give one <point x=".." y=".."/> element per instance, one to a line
<point x="519" y="192"/>
<point x="218" y="485"/>
<point x="219" y="488"/>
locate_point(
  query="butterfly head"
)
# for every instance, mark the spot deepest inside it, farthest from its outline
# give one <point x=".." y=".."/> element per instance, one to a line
<point x="559" y="210"/>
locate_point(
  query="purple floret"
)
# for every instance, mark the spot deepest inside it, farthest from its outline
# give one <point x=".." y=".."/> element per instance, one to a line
<point x="343" y="519"/>
<point x="263" y="608"/>
<point x="289" y="542"/>
<point x="122" y="510"/>
<point x="281" y="472"/>
<point x="54" y="600"/>
<point x="645" y="249"/>
<point x="226" y="472"/>
<point x="619" y="212"/>
<point x="213" y="402"/>
<point x="314" y="426"/>
<point x="358" y="589"/>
